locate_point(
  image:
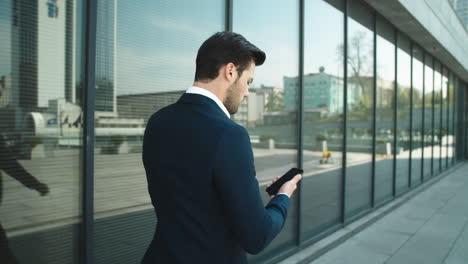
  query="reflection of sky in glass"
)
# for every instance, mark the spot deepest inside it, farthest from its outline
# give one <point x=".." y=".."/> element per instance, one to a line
<point x="274" y="28"/>
<point x="404" y="68"/>
<point x="157" y="42"/>
<point x="417" y="74"/>
<point x="437" y="78"/>
<point x="5" y="38"/>
<point x="323" y="36"/>
<point x="366" y="43"/>
<point x="428" y="78"/>
<point x="385" y="59"/>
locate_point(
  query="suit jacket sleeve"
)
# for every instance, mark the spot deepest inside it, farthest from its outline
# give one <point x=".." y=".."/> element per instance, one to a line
<point x="11" y="166"/>
<point x="253" y="225"/>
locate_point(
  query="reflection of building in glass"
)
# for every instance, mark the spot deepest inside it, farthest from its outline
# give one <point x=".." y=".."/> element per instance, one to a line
<point x="251" y="110"/>
<point x="5" y="91"/>
<point x="142" y="106"/>
<point x="321" y="90"/>
<point x="385" y="93"/>
<point x="38" y="53"/>
<point x="106" y="42"/>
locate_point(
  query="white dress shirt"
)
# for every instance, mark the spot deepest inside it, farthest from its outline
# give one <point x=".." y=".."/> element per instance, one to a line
<point x="212" y="96"/>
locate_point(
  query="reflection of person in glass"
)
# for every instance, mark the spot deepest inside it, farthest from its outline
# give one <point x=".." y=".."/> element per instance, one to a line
<point x="200" y="166"/>
<point x="10" y="165"/>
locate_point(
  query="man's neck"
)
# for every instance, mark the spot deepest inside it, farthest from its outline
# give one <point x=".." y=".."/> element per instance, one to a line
<point x="213" y="87"/>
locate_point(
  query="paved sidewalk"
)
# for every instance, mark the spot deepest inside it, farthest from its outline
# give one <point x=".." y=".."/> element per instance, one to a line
<point x="432" y="227"/>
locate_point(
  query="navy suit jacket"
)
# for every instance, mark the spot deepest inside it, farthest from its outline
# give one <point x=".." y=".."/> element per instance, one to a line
<point x="201" y="178"/>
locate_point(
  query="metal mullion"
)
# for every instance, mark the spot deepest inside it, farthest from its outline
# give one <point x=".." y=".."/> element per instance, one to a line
<point x="447" y="117"/>
<point x="454" y="132"/>
<point x="432" y="117"/>
<point x="87" y="245"/>
<point x="410" y="169"/>
<point x="300" y="118"/>
<point x="374" y="113"/>
<point x="423" y="140"/>
<point x="228" y="15"/>
<point x="345" y="113"/>
<point x="441" y="111"/>
<point x="395" y="116"/>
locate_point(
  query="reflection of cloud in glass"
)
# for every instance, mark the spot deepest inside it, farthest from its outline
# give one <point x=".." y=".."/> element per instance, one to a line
<point x="157" y="43"/>
<point x="385" y="59"/>
<point x="274" y="29"/>
<point x="323" y="37"/>
<point x="171" y="25"/>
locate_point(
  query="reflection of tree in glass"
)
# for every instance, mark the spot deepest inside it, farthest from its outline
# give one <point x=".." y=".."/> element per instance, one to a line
<point x="360" y="65"/>
<point x="275" y="102"/>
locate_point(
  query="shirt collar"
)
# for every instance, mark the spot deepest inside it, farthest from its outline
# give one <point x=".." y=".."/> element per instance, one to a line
<point x="212" y="96"/>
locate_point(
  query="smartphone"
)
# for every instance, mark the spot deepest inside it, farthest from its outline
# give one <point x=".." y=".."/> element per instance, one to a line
<point x="274" y="188"/>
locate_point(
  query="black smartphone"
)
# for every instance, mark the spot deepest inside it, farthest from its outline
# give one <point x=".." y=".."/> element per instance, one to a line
<point x="274" y="188"/>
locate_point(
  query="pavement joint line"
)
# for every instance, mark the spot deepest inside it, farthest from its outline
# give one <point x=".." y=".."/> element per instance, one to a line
<point x="455" y="241"/>
<point x="425" y="222"/>
<point x="341" y="235"/>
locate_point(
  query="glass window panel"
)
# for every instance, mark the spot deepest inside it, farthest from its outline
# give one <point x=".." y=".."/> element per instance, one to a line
<point x="145" y="60"/>
<point x="385" y="95"/>
<point x="428" y="115"/>
<point x="323" y="116"/>
<point x="451" y="119"/>
<point x="403" y="113"/>
<point x="437" y="101"/>
<point x="40" y="130"/>
<point x="270" y="111"/>
<point x="418" y="116"/>
<point x="360" y="91"/>
<point x="444" y="125"/>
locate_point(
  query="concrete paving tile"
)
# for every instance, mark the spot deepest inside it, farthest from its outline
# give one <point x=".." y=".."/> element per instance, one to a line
<point x="459" y="252"/>
<point x="401" y="225"/>
<point x="381" y="241"/>
<point x="352" y="252"/>
<point x="431" y="243"/>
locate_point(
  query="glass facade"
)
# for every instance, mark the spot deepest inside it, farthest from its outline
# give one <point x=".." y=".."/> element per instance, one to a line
<point x="323" y="79"/>
<point x="154" y="63"/>
<point x="359" y="104"/>
<point x="270" y="111"/>
<point x="365" y="111"/>
<point x="40" y="130"/>
<point x="385" y="109"/>
<point x="417" y="120"/>
<point x="403" y="111"/>
<point x="428" y="116"/>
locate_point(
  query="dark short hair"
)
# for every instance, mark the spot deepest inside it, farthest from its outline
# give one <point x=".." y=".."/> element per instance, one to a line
<point x="222" y="48"/>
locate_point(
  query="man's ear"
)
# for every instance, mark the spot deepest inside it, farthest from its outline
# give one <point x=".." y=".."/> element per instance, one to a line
<point x="230" y="71"/>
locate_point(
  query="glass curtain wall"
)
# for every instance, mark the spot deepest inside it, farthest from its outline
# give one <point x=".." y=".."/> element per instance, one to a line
<point x="323" y="116"/>
<point x="418" y="116"/>
<point x="270" y="111"/>
<point x="145" y="60"/>
<point x="41" y="77"/>
<point x="444" y="127"/>
<point x="403" y="97"/>
<point x="360" y="90"/>
<point x="437" y="115"/>
<point x="385" y="108"/>
<point x="428" y="115"/>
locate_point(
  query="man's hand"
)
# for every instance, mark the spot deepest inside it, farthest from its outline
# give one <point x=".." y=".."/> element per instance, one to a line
<point x="42" y="188"/>
<point x="288" y="187"/>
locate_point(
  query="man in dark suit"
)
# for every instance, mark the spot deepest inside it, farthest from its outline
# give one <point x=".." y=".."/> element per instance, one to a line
<point x="200" y="166"/>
